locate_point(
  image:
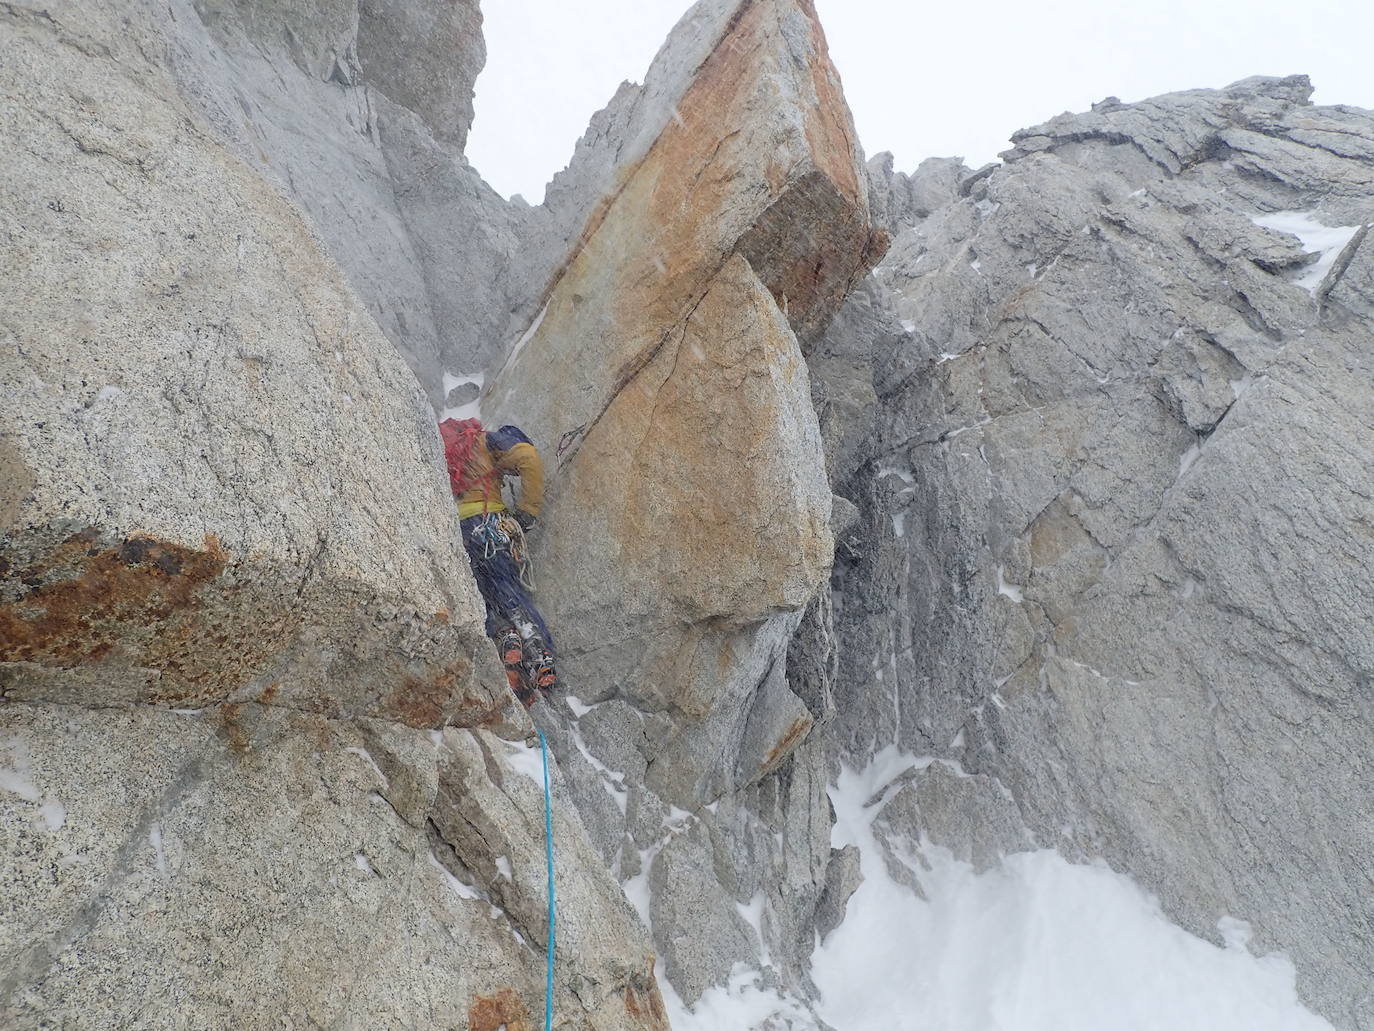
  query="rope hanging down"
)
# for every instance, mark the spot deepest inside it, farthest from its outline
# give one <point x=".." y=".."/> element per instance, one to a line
<point x="548" y="844"/>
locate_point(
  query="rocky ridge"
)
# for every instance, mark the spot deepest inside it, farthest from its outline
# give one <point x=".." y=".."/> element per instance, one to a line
<point x="1102" y="413"/>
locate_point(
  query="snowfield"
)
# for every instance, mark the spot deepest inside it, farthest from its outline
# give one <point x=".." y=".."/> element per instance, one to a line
<point x="1036" y="944"/>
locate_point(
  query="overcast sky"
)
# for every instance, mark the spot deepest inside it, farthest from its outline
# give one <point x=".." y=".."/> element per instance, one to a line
<point x="923" y="80"/>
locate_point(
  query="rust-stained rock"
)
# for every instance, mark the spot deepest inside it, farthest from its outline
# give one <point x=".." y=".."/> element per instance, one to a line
<point x="644" y="1002"/>
<point x="155" y="623"/>
<point x="500" y="1012"/>
<point x="757" y="155"/>
<point x="215" y="472"/>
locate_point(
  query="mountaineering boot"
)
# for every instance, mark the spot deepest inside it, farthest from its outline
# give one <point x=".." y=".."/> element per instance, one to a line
<point x="511" y="650"/>
<point x="509" y="646"/>
<point x="539" y="667"/>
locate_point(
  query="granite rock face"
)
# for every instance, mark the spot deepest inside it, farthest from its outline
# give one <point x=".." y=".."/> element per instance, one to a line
<point x="220" y="477"/>
<point x="357" y="111"/>
<point x="1083" y="463"/>
<point x="253" y="763"/>
<point x="250" y="865"/>
<point x="1112" y="548"/>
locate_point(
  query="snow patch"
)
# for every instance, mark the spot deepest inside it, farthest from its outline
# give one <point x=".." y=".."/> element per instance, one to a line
<point x="526" y="337"/>
<point x="108" y="393"/>
<point x="360" y="861"/>
<point x="576" y="705"/>
<point x="528" y="762"/>
<point x="1012" y="591"/>
<point x="751" y="913"/>
<point x="16" y="778"/>
<point x="463" y="891"/>
<point x="503" y="868"/>
<point x="612" y="780"/>
<point x="471" y="410"/>
<point x="637" y="887"/>
<point x="1034" y="944"/>
<point x="901" y="472"/>
<point x="16" y="773"/>
<point x="54" y="814"/>
<point x="1316" y="238"/>
<point x="743" y="1002"/>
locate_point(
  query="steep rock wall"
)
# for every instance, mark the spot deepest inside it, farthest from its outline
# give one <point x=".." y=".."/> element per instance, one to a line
<point x="257" y="761"/>
<point x="358" y="112"/>
<point x="1069" y="420"/>
<point x="687" y="528"/>
<point x="1112" y="543"/>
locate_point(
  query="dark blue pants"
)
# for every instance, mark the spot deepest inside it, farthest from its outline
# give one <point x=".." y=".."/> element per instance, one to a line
<point x="498" y="578"/>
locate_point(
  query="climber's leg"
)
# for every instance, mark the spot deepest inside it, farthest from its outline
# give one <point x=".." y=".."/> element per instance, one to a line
<point x="484" y="574"/>
<point x="513" y="622"/>
<point x="529" y="624"/>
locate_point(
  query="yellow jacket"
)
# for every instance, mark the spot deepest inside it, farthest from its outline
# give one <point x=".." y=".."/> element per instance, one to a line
<point x="487" y="467"/>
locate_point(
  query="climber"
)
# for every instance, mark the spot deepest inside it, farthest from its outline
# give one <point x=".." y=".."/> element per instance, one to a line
<point x="494" y="538"/>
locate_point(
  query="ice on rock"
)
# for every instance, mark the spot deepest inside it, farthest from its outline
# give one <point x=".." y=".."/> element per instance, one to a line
<point x="528" y="762"/>
<point x="16" y="778"/>
<point x="1326" y="241"/>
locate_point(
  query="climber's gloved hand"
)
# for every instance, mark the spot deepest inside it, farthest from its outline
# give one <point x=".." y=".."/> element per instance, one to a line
<point x="525" y="520"/>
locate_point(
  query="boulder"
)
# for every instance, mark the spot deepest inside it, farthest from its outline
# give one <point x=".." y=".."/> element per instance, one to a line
<point x="688" y="516"/>
<point x="224" y="482"/>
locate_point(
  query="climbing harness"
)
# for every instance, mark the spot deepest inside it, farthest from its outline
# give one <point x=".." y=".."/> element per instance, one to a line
<point x="519" y="550"/>
<point x="548" y="848"/>
<point x="499" y="531"/>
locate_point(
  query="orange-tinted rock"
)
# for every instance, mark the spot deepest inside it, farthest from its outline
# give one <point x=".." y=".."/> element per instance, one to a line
<point x="689" y="516"/>
<point x="502" y="1011"/>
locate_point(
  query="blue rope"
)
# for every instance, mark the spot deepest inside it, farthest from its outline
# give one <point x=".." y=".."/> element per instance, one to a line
<point x="548" y="840"/>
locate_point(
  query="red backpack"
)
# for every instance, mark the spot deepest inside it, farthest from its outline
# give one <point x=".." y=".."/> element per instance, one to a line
<point x="460" y="437"/>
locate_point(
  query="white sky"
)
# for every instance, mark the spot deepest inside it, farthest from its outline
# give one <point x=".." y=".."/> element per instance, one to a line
<point x="923" y="79"/>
